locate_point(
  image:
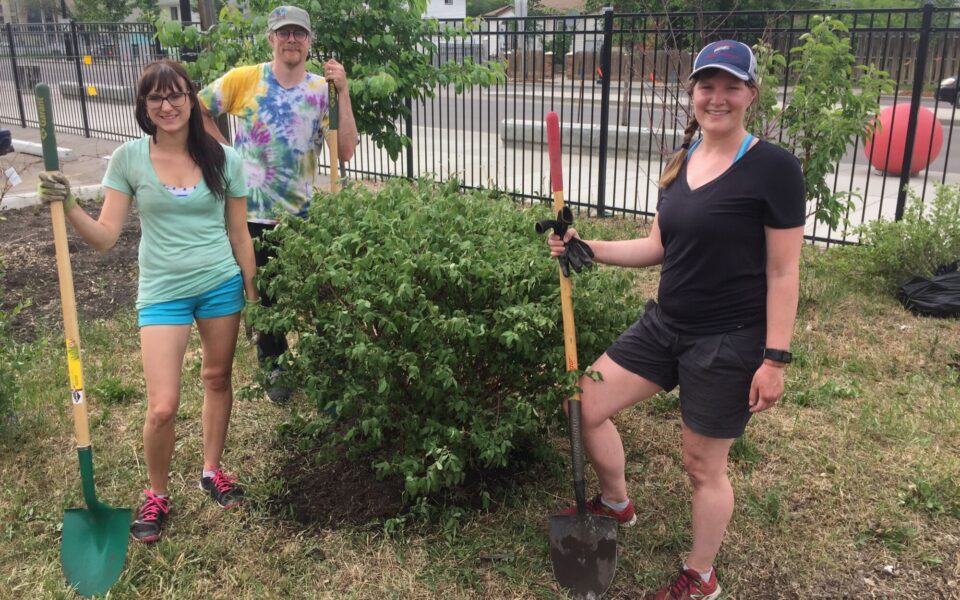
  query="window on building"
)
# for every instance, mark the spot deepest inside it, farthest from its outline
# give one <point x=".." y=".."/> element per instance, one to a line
<point x="448" y="2"/>
<point x="174" y="13"/>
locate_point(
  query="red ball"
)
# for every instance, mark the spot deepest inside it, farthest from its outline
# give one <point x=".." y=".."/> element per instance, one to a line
<point x="892" y="135"/>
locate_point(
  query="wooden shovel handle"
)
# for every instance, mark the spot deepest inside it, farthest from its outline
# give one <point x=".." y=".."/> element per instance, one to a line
<point x="68" y="302"/>
<point x="566" y="289"/>
<point x="566" y="307"/>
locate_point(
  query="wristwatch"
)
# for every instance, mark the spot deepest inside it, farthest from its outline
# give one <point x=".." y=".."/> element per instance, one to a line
<point x="781" y="356"/>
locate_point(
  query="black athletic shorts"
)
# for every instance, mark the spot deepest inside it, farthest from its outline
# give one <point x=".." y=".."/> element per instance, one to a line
<point x="714" y="372"/>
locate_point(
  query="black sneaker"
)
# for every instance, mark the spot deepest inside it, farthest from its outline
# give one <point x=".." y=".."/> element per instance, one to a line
<point x="149" y="524"/>
<point x="277" y="391"/>
<point x="222" y="488"/>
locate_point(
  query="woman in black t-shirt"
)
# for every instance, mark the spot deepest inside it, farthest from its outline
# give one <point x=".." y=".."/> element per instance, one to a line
<point x="728" y="232"/>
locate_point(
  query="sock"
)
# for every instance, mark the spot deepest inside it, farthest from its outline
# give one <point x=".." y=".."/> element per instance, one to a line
<point x="704" y="575"/>
<point x="207" y="473"/>
<point x="163" y="495"/>
<point x="617" y="506"/>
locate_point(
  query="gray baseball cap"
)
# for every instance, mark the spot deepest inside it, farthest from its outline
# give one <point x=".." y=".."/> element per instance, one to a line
<point x="288" y="15"/>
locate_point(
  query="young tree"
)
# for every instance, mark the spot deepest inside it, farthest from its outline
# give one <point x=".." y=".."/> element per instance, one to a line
<point x="832" y="102"/>
<point x="386" y="46"/>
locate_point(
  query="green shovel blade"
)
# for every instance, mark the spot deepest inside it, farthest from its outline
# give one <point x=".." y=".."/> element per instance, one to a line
<point x="94" y="544"/>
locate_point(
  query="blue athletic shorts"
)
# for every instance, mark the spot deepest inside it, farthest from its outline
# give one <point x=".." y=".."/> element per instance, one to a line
<point x="225" y="299"/>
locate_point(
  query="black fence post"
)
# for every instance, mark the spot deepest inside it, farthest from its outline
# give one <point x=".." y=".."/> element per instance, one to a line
<point x="77" y="61"/>
<point x="604" y="108"/>
<point x="16" y="77"/>
<point x="920" y="67"/>
<point x="408" y="121"/>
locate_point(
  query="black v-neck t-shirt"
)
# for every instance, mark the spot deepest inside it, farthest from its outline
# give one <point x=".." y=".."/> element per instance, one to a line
<point x="713" y="277"/>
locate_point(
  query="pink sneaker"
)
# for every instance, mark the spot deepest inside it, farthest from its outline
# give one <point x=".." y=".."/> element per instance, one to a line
<point x="689" y="586"/>
<point x="149" y="524"/>
<point x="626" y="517"/>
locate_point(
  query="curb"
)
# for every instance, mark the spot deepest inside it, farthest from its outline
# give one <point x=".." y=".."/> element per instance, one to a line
<point x="35" y="149"/>
<point x="15" y="201"/>
<point x="623" y="138"/>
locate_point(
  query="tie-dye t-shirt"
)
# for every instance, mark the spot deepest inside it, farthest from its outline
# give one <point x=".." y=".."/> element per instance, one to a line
<point x="278" y="133"/>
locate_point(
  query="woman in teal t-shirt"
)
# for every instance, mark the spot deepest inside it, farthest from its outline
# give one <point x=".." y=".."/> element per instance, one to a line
<point x="196" y="264"/>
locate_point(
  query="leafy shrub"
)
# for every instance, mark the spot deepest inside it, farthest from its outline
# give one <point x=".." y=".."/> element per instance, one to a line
<point x="926" y="238"/>
<point x="428" y="328"/>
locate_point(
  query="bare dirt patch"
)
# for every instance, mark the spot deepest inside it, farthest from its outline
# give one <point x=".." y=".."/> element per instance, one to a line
<point x="104" y="283"/>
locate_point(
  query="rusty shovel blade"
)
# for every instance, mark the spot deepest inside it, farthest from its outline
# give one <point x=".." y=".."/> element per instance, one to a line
<point x="583" y="550"/>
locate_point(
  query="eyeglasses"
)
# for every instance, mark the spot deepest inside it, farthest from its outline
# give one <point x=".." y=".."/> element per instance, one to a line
<point x="285" y="34"/>
<point x="176" y="99"/>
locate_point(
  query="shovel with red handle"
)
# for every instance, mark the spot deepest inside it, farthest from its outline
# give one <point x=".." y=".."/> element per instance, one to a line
<point x="583" y="546"/>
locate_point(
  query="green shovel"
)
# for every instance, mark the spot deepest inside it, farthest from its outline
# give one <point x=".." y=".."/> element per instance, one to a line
<point x="94" y="543"/>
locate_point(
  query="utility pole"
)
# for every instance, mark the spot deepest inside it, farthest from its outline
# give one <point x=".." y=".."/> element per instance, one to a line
<point x="208" y="13"/>
<point x="186" y="17"/>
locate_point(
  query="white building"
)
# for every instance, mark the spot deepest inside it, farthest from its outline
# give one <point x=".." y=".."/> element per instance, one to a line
<point x="446" y="9"/>
<point x="170" y="9"/>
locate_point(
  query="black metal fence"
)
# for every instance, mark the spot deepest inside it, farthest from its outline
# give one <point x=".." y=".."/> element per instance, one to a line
<point x="91" y="68"/>
<point x="617" y="82"/>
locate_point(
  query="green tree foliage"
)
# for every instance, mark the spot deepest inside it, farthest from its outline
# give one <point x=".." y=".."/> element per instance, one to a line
<point x="477" y="8"/>
<point x="385" y="46"/>
<point x="831" y="103"/>
<point x="428" y="321"/>
<point x="107" y="11"/>
<point x="698" y="6"/>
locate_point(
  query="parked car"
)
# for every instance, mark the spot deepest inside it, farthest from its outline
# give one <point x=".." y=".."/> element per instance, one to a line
<point x="947" y="92"/>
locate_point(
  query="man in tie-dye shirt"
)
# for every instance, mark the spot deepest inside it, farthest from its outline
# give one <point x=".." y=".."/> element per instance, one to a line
<point x="282" y="115"/>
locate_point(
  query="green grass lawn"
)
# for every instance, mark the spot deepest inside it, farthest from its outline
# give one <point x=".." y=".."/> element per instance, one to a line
<point x="847" y="489"/>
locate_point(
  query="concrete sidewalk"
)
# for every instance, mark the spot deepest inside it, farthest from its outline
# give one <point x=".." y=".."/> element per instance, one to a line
<point x="85" y="167"/>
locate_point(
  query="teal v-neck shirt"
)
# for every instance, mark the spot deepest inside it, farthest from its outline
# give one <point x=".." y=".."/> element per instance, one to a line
<point x="184" y="249"/>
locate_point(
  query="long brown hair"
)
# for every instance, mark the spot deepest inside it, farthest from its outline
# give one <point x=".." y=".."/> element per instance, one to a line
<point x="672" y="169"/>
<point x="166" y="76"/>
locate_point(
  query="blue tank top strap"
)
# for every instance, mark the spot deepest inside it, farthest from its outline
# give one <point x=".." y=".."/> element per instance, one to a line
<point x="693" y="146"/>
<point x="744" y="147"/>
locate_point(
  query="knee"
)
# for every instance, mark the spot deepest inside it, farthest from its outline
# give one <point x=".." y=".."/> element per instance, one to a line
<point x="702" y="472"/>
<point x="161" y="414"/>
<point x="216" y="380"/>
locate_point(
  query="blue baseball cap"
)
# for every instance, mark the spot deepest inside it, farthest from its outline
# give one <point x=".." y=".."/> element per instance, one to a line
<point x="731" y="56"/>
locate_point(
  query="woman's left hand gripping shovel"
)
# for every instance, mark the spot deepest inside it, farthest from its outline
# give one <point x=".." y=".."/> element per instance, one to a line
<point x="583" y="546"/>
<point x="94" y="541"/>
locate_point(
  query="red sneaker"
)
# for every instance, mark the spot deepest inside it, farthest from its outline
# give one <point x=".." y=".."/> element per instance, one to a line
<point x="689" y="586"/>
<point x="626" y="517"/>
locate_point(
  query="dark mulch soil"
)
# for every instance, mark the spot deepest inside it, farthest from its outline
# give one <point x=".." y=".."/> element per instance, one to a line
<point x="335" y="494"/>
<point x="103" y="283"/>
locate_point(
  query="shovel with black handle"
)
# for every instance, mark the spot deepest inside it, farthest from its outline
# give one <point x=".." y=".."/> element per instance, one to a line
<point x="334" y="115"/>
<point x="583" y="546"/>
<point x="93" y="546"/>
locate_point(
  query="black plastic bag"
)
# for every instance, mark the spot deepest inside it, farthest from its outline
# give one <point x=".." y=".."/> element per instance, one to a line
<point x="5" y="142"/>
<point x="937" y="296"/>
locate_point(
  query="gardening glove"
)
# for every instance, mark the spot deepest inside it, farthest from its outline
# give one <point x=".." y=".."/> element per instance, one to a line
<point x="577" y="253"/>
<point x="55" y="187"/>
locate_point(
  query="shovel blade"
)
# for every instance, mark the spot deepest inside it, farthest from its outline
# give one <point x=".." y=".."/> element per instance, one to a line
<point x="94" y="547"/>
<point x="583" y="550"/>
